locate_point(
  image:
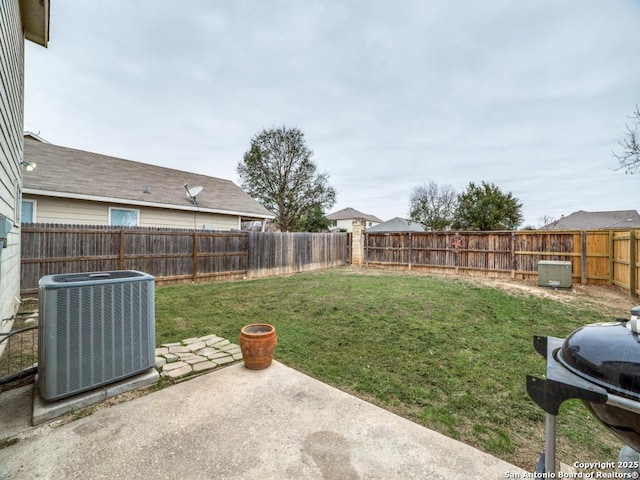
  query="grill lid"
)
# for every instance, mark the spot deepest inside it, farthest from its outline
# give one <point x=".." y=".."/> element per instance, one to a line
<point x="607" y="354"/>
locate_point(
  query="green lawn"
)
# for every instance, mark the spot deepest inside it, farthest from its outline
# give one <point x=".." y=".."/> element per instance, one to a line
<point x="447" y="353"/>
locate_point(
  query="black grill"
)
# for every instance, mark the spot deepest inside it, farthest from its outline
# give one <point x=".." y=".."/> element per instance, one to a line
<point x="598" y="364"/>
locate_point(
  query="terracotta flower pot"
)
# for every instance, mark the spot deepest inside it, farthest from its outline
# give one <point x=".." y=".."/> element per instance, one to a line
<point x="258" y="342"/>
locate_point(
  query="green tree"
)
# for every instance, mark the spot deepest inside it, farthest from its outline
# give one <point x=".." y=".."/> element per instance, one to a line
<point x="433" y="205"/>
<point x="313" y="220"/>
<point x="629" y="157"/>
<point x="484" y="207"/>
<point x="278" y="171"/>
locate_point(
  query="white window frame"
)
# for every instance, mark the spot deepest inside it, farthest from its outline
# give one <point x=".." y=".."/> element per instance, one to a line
<point x="33" y="209"/>
<point x="137" y="212"/>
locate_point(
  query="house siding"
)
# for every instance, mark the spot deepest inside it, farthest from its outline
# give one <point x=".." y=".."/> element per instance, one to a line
<point x="84" y="212"/>
<point x="11" y="150"/>
<point x="347" y="224"/>
<point x="157" y="217"/>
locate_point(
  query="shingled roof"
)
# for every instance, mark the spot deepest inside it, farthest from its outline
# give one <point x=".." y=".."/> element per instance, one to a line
<point x="349" y="213"/>
<point x="582" y="220"/>
<point x="397" y="224"/>
<point x="70" y="173"/>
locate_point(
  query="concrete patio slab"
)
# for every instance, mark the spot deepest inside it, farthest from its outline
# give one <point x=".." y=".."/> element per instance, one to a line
<point x="236" y="423"/>
<point x="15" y="411"/>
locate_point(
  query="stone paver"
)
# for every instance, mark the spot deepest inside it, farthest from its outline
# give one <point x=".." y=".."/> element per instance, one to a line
<point x="178" y="372"/>
<point x="207" y="338"/>
<point x="208" y="351"/>
<point x="174" y="366"/>
<point x="195" y="355"/>
<point x="179" y="349"/>
<point x="194" y="347"/>
<point x="229" y="347"/>
<point x="170" y="357"/>
<point x="195" y="359"/>
<point x="216" y="354"/>
<point x="186" y="356"/>
<point x="213" y="340"/>
<point x="203" y="366"/>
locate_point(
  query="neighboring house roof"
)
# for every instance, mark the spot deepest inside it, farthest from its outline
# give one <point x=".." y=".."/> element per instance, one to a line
<point x="70" y="173"/>
<point x="35" y="136"/>
<point x="582" y="220"/>
<point x="349" y="213"/>
<point x="397" y="224"/>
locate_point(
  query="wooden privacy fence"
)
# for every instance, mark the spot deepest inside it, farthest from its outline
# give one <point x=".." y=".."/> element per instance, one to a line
<point x="599" y="257"/>
<point x="282" y="253"/>
<point x="173" y="255"/>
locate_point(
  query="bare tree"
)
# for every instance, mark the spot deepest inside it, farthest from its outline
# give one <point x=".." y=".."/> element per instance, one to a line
<point x="545" y="220"/>
<point x="629" y="158"/>
<point x="278" y="171"/>
<point x="433" y="205"/>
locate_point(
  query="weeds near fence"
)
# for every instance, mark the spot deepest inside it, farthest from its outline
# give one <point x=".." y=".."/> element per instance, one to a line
<point x="19" y="357"/>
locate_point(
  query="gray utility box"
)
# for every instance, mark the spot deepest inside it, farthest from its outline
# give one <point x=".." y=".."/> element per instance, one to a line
<point x="94" y="328"/>
<point x="556" y="274"/>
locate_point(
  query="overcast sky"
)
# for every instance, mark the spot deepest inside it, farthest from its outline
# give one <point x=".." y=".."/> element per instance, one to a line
<point x="532" y="96"/>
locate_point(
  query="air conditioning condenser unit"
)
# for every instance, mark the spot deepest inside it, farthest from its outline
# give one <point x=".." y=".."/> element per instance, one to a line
<point x="555" y="274"/>
<point x="94" y="329"/>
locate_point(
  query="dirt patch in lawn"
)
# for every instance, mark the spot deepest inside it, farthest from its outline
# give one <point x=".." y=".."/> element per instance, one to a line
<point x="611" y="301"/>
<point x="608" y="300"/>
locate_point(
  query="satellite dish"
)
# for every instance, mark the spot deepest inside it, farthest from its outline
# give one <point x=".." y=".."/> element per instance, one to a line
<point x="192" y="192"/>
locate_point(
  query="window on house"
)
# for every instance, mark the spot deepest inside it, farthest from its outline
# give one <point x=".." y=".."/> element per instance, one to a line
<point x="369" y="224"/>
<point x="28" y="211"/>
<point x="125" y="217"/>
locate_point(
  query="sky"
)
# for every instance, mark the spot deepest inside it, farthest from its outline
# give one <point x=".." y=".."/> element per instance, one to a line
<point x="390" y="95"/>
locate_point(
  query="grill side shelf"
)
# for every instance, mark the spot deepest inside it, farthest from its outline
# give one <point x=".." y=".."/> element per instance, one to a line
<point x="560" y="384"/>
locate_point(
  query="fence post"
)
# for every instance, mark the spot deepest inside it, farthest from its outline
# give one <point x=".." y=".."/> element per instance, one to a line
<point x="195" y="256"/>
<point x="632" y="263"/>
<point x="122" y="240"/>
<point x="611" y="259"/>
<point x="513" y="255"/>
<point x="365" y="247"/>
<point x="583" y="257"/>
<point x="410" y="249"/>
<point x="358" y="240"/>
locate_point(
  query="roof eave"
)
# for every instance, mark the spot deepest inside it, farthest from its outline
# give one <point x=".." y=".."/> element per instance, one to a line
<point x="35" y="20"/>
<point x="121" y="201"/>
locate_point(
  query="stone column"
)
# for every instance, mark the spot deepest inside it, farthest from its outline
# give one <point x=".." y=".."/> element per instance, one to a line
<point x="357" y="242"/>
